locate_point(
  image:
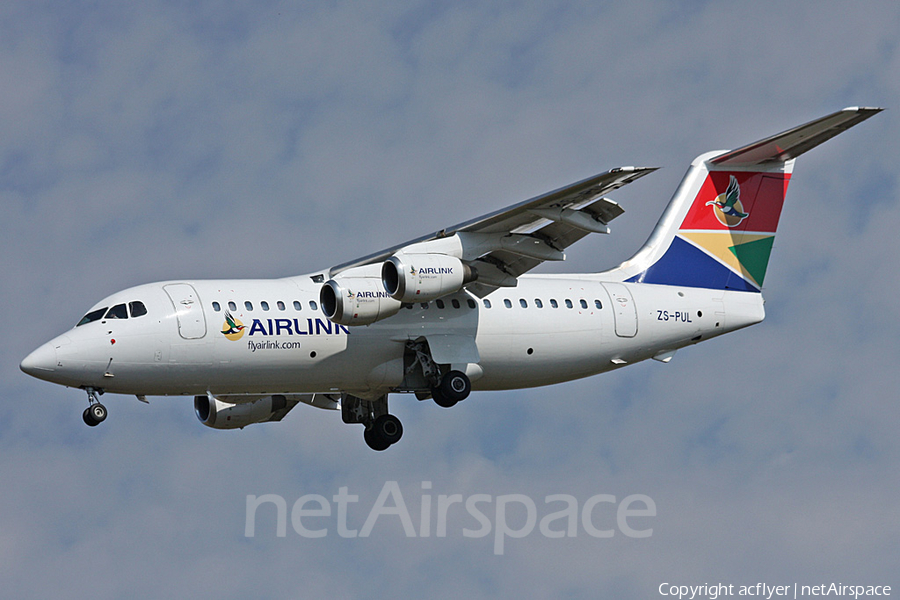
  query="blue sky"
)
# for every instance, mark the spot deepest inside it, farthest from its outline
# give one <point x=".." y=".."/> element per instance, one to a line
<point x="163" y="141"/>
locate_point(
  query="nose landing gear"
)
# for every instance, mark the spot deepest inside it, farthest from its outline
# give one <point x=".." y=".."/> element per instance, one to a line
<point x="95" y="413"/>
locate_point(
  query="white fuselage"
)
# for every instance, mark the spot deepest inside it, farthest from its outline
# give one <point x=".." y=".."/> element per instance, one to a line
<point x="548" y="329"/>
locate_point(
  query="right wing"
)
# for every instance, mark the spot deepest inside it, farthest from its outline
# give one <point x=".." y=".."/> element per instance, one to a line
<point x="503" y="244"/>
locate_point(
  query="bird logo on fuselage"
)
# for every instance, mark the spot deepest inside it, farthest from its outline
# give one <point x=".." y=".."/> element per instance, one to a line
<point x="232" y="328"/>
<point x="727" y="207"/>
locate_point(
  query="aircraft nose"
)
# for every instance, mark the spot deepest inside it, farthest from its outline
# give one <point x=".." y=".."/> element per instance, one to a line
<point x="41" y="361"/>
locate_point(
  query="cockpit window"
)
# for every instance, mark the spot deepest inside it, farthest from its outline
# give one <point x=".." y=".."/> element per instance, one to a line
<point x="94" y="315"/>
<point x="117" y="312"/>
<point x="137" y="309"/>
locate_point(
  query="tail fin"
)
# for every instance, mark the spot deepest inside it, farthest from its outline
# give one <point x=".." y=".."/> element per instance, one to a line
<point x="718" y="229"/>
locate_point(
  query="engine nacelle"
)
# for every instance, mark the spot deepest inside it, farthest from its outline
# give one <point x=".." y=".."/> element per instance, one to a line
<point x="217" y="414"/>
<point x="356" y="301"/>
<point x="423" y="277"/>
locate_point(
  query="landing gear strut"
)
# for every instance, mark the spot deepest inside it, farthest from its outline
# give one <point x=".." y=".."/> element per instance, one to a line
<point x="95" y="413"/>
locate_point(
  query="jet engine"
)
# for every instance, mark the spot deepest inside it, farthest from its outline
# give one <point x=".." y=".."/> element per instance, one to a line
<point x="423" y="277"/>
<point x="356" y="301"/>
<point x="217" y="414"/>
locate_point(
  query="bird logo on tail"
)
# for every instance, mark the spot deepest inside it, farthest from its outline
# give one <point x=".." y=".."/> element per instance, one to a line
<point x="727" y="207"/>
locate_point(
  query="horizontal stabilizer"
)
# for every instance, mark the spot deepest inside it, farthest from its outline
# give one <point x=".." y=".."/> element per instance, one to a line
<point x="794" y="142"/>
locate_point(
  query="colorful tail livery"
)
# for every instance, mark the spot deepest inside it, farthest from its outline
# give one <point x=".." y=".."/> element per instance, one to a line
<point x="718" y="230"/>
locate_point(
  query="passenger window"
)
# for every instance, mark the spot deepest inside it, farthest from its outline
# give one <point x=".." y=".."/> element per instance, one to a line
<point x="216" y="307"/>
<point x="568" y="303"/>
<point x="455" y="303"/>
<point x="297" y="305"/>
<point x="440" y="303"/>
<point x="554" y="303"/>
<point x="471" y="303"/>
<point x="538" y="303"/>
<point x="232" y="305"/>
<point x="424" y="305"/>
<point x="487" y="303"/>
<point x="313" y="305"/>
<point x="137" y="308"/>
<point x="117" y="312"/>
<point x="598" y="304"/>
<point x="507" y="303"/>
<point x="94" y="315"/>
<point x="264" y="305"/>
<point x="248" y="305"/>
<point x="280" y="305"/>
<point x="583" y="303"/>
<point x="522" y="303"/>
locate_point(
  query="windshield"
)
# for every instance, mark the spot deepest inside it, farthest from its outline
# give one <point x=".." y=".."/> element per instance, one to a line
<point x="117" y="312"/>
<point x="92" y="316"/>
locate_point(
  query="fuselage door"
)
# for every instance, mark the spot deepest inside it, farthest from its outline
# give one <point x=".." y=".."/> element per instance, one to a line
<point x="623" y="309"/>
<point x="188" y="310"/>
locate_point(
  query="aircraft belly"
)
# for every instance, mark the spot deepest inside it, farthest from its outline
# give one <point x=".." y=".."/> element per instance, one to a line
<point x="508" y="364"/>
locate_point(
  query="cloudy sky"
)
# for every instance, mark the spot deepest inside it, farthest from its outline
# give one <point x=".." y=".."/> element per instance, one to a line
<point x="162" y="140"/>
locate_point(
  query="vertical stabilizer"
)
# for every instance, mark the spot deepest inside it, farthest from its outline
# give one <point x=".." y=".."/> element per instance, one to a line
<point x="719" y="227"/>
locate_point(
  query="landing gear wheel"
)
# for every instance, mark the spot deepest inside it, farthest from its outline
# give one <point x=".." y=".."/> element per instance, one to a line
<point x="94" y="414"/>
<point x="88" y="419"/>
<point x="98" y="412"/>
<point x="442" y="400"/>
<point x="384" y="431"/>
<point x="388" y="428"/>
<point x="374" y="441"/>
<point x="455" y="386"/>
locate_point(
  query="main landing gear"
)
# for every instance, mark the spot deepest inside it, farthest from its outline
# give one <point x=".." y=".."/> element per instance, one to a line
<point x="95" y="413"/>
<point x="382" y="429"/>
<point x="446" y="389"/>
<point x="422" y="376"/>
<point x="383" y="432"/>
<point x="453" y="387"/>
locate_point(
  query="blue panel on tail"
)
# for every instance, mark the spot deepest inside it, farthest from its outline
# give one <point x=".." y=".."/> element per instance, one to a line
<point x="684" y="264"/>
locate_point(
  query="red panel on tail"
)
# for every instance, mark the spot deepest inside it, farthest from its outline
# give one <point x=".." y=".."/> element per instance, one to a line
<point x="753" y="205"/>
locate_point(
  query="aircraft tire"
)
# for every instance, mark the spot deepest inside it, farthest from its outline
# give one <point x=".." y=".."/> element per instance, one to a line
<point x="388" y="428"/>
<point x="88" y="419"/>
<point x="442" y="400"/>
<point x="97" y="412"/>
<point x="375" y="441"/>
<point x="455" y="386"/>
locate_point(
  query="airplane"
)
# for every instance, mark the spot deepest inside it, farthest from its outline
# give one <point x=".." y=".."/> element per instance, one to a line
<point x="453" y="311"/>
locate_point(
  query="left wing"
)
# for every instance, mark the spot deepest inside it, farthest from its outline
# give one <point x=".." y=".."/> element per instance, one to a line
<point x="503" y="244"/>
